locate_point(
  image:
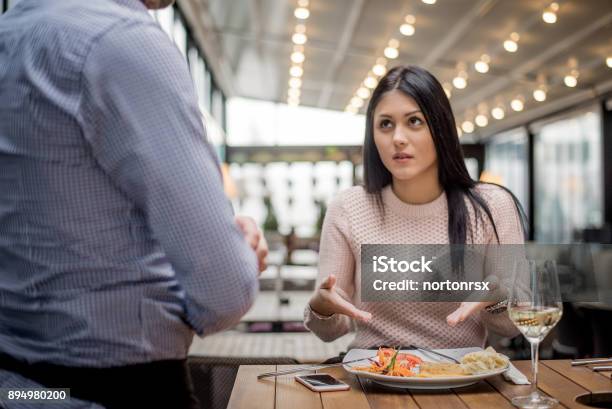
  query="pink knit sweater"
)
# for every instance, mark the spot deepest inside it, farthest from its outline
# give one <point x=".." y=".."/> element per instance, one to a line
<point x="353" y="219"/>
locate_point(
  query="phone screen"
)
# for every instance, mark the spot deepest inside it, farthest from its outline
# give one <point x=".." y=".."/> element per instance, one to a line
<point x="321" y="380"/>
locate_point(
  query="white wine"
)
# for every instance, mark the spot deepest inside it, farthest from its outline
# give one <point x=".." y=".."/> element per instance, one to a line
<point x="535" y="322"/>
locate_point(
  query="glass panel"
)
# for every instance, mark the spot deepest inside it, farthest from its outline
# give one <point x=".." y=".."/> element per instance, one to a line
<point x="507" y="162"/>
<point x="568" y="177"/>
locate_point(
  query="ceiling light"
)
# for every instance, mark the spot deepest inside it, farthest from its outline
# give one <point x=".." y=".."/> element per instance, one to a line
<point x="447" y="89"/>
<point x="370" y="82"/>
<point x="379" y="70"/>
<point x="498" y="113"/>
<point x="429" y="1"/>
<point x="391" y="53"/>
<point x="539" y="94"/>
<point x="296" y="71"/>
<point x="511" y="45"/>
<point x="298" y="57"/>
<point x="410" y="19"/>
<point x="407" y="29"/>
<point x="295" y="82"/>
<point x="357" y="102"/>
<point x="467" y="126"/>
<point x="351" y="109"/>
<point x="570" y="81"/>
<point x="481" y="120"/>
<point x="301" y="13"/>
<point x="299" y="38"/>
<point x="482" y="65"/>
<point x="363" y="93"/>
<point x="459" y="82"/>
<point x="294" y="92"/>
<point x="550" y="13"/>
<point x="609" y="62"/>
<point x="517" y="104"/>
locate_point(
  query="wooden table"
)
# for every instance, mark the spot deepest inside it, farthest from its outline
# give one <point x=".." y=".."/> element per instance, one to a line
<point x="556" y="378"/>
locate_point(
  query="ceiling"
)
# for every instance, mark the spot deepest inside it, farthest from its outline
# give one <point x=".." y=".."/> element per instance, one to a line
<point x="345" y="38"/>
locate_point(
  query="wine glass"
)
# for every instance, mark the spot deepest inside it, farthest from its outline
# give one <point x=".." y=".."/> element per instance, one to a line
<point x="535" y="307"/>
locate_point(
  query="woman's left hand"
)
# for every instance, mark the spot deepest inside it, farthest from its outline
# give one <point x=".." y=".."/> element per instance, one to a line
<point x="465" y="310"/>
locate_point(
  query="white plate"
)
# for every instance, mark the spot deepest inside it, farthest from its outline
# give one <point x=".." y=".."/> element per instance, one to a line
<point x="416" y="382"/>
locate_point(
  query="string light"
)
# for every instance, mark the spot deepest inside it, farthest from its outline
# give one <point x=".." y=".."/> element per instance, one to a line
<point x="550" y="13"/>
<point x="370" y="82"/>
<point x="357" y="102"/>
<point x="301" y="13"/>
<point x="609" y="62"/>
<point x="467" y="126"/>
<point x="539" y="94"/>
<point x="482" y="65"/>
<point x="363" y="93"/>
<point x="511" y="44"/>
<point x="295" y="82"/>
<point x="392" y="51"/>
<point x="498" y="112"/>
<point x="294" y="92"/>
<point x="460" y="81"/>
<point x="299" y="38"/>
<point x="380" y="68"/>
<point x="481" y="120"/>
<point x="517" y="104"/>
<point x="429" y="1"/>
<point x="448" y="88"/>
<point x="296" y="71"/>
<point x="571" y="79"/>
<point x="407" y="28"/>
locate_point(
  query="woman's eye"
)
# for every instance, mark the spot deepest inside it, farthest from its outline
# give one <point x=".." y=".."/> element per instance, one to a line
<point x="415" y="121"/>
<point x="385" y="124"/>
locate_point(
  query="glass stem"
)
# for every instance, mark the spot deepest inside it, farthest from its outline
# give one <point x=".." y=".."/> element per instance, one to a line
<point x="534" y="367"/>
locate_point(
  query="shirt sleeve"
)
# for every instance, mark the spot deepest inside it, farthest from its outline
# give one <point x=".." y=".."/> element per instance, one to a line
<point x="335" y="257"/>
<point x="140" y="115"/>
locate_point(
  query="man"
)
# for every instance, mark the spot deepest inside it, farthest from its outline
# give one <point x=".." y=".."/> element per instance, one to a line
<point x="116" y="240"/>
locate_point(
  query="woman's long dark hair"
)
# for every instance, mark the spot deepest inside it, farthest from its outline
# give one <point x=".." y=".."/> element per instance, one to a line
<point x="453" y="175"/>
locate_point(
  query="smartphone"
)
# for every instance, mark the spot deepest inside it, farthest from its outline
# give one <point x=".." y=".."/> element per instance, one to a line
<point x="321" y="383"/>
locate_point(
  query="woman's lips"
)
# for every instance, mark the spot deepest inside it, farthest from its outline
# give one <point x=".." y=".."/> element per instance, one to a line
<point x="402" y="157"/>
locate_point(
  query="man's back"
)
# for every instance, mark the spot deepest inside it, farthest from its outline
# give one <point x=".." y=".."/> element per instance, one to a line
<point x="115" y="239"/>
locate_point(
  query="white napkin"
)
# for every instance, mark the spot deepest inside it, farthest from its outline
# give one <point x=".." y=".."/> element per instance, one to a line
<point x="515" y="376"/>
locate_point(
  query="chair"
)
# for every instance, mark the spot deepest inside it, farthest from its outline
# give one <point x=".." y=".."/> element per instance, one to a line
<point x="213" y="377"/>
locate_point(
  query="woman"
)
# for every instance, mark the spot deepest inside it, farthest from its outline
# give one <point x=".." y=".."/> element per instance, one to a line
<point x="417" y="191"/>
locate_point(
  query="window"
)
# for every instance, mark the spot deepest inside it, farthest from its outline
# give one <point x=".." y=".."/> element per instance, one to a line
<point x="507" y="162"/>
<point x="568" y="176"/>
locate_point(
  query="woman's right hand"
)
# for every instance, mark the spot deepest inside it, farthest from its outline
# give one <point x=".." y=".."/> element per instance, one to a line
<point x="329" y="300"/>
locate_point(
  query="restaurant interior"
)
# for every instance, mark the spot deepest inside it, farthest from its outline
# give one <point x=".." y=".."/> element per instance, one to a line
<point x="283" y="87"/>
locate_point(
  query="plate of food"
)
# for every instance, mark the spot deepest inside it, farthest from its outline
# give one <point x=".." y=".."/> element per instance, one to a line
<point x="414" y="369"/>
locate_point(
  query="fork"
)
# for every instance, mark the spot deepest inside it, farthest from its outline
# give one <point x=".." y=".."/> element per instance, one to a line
<point x="310" y="368"/>
<point x="434" y="352"/>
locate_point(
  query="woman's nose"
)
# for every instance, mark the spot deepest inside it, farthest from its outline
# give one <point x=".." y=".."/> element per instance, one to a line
<point x="399" y="137"/>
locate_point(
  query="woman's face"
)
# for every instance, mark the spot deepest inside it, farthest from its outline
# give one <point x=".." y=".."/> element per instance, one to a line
<point x="402" y="137"/>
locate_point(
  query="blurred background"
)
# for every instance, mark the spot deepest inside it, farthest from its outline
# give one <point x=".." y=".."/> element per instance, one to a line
<point x="283" y="86"/>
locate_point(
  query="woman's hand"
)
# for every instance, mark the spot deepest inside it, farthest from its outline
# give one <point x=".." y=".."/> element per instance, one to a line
<point x="465" y="310"/>
<point x="329" y="300"/>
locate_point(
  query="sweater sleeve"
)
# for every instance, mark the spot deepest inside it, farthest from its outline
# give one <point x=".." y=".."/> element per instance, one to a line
<point x="502" y="255"/>
<point x="335" y="257"/>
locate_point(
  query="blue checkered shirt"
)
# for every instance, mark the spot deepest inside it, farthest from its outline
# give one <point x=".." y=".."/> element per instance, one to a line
<point x="116" y="239"/>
